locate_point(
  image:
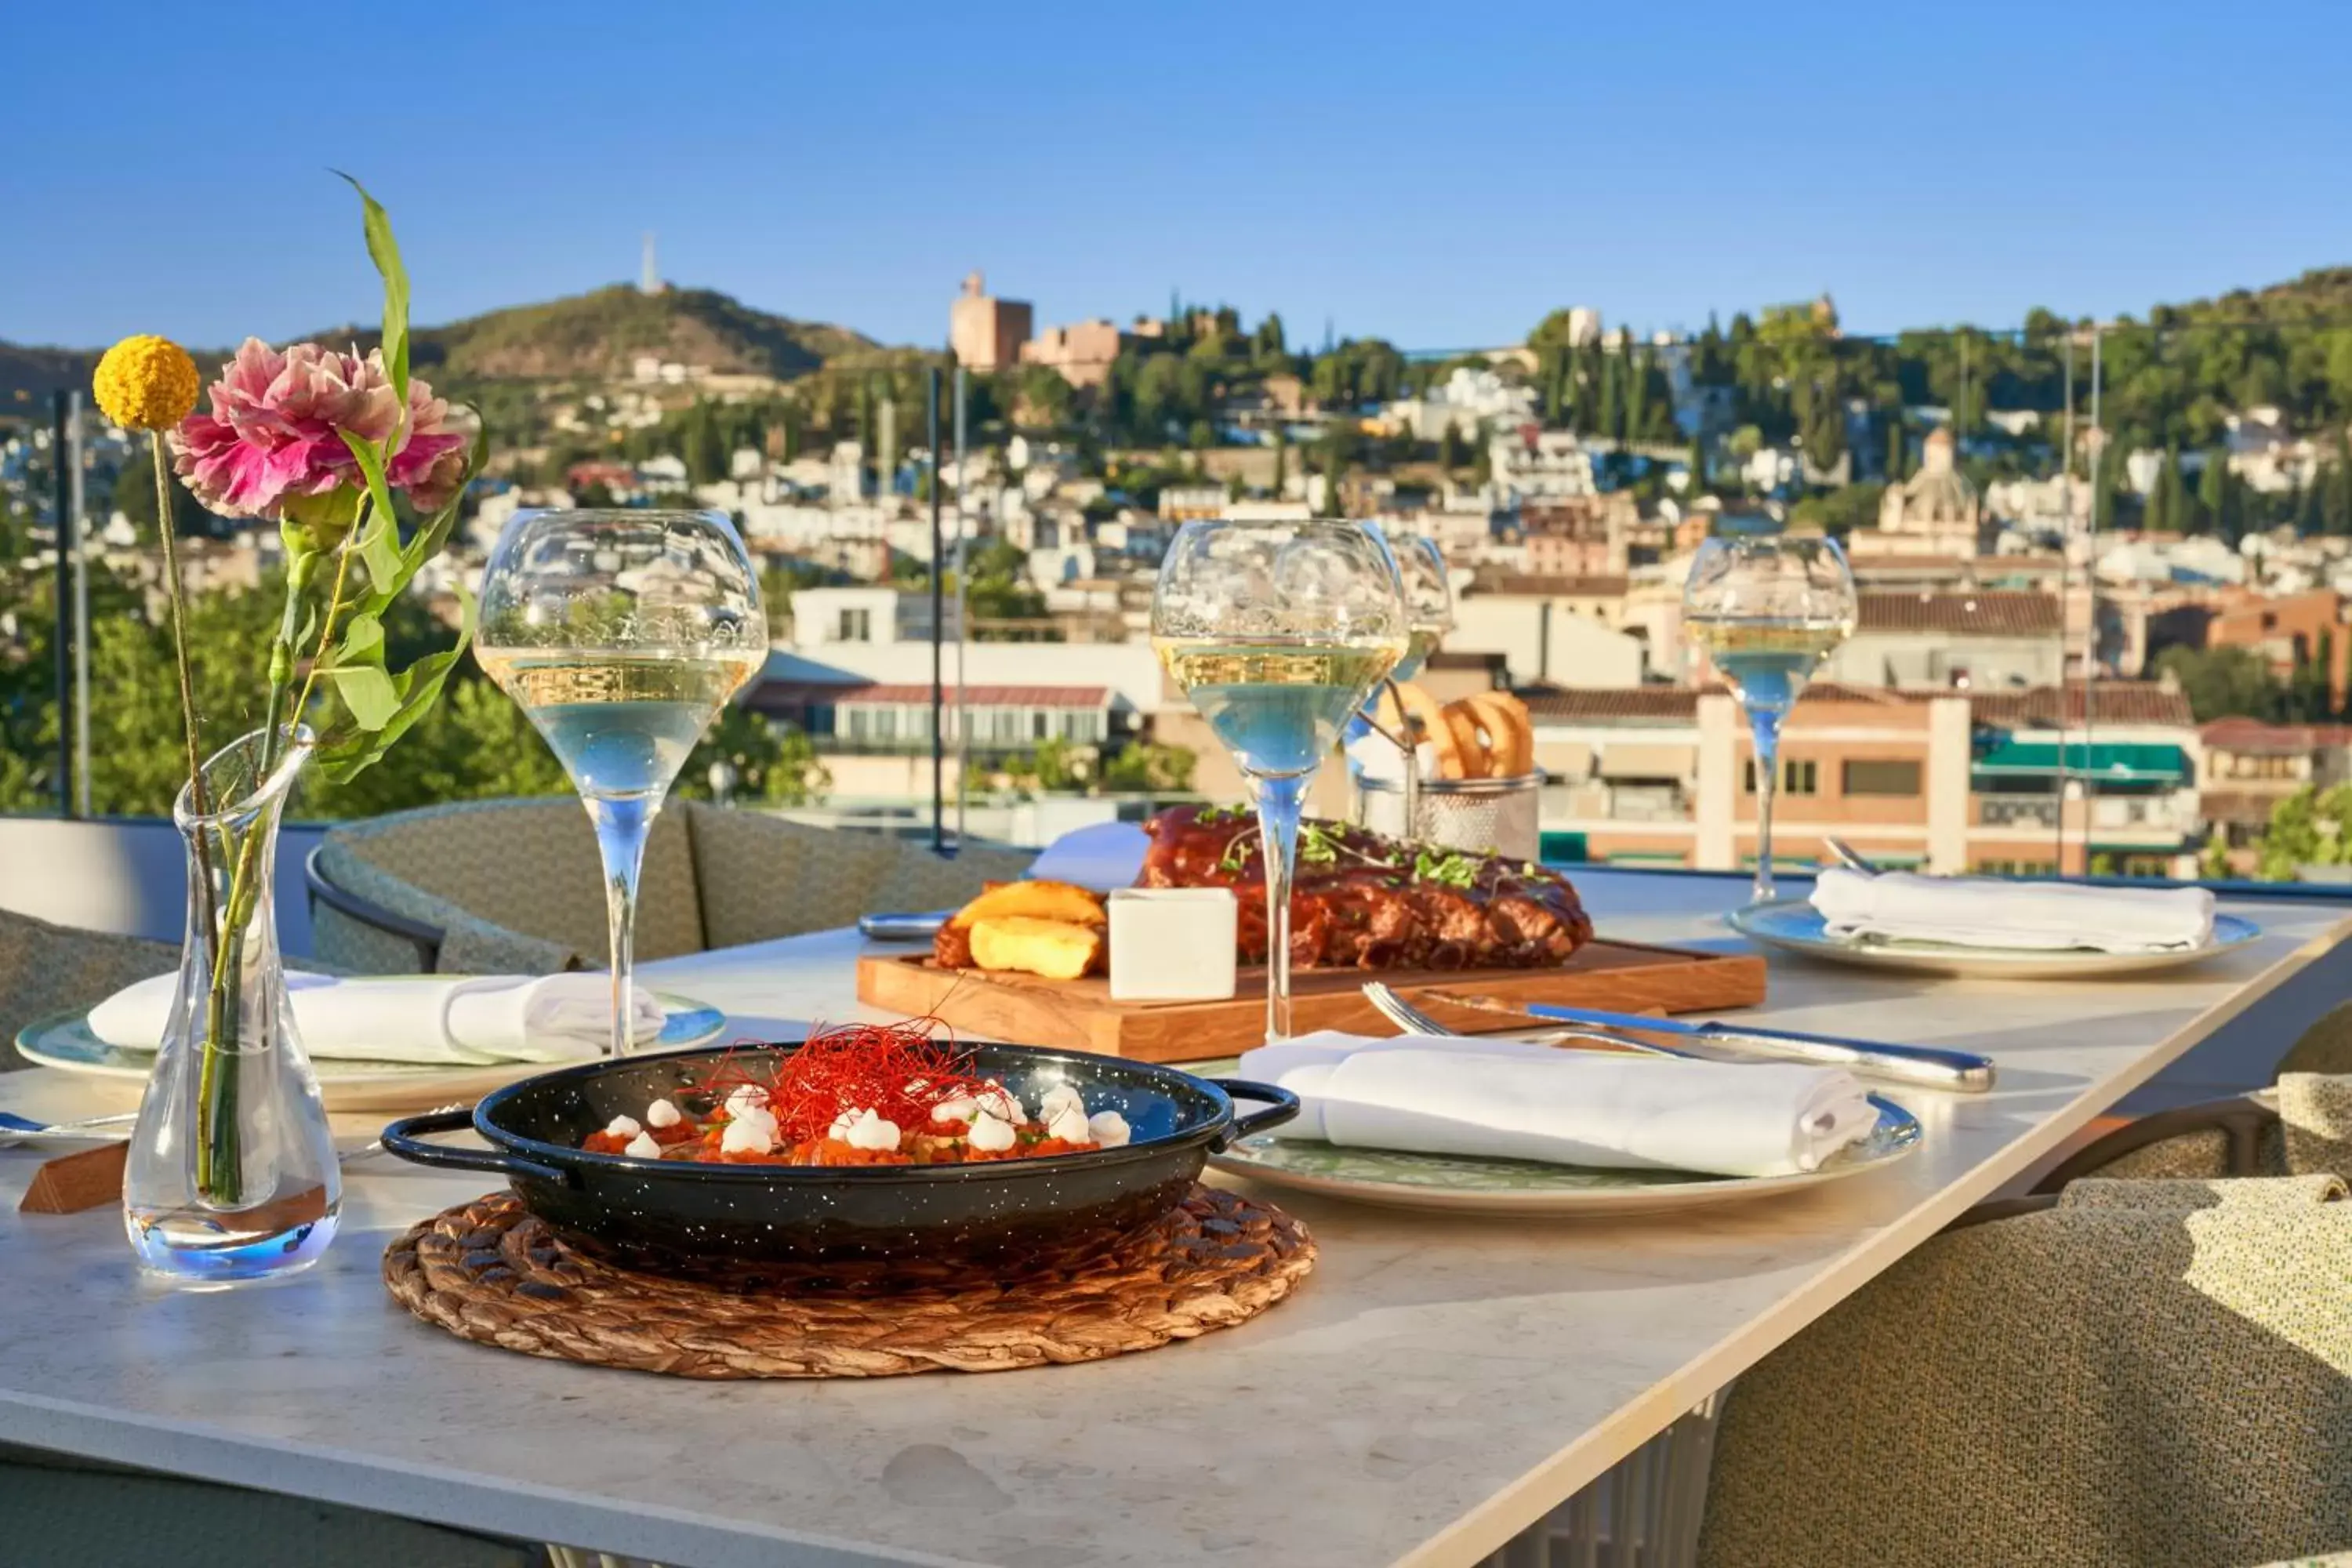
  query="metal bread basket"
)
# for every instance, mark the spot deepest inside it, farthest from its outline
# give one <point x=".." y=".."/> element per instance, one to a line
<point x="1489" y="816"/>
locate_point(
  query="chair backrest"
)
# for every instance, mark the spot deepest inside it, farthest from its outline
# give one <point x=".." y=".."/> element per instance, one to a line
<point x="528" y="867"/>
<point x="763" y="877"/>
<point x="47" y="969"/>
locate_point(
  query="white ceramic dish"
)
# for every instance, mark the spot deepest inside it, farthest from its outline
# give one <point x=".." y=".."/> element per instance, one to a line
<point x="65" y="1044"/>
<point x="1461" y="1185"/>
<point x="1793" y="925"/>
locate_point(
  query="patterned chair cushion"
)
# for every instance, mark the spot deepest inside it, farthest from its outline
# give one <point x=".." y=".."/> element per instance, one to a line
<point x="763" y="877"/>
<point x="516" y="884"/>
<point x="47" y="969"/>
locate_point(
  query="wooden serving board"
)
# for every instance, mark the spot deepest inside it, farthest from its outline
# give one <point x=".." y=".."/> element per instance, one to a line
<point x="1078" y="1014"/>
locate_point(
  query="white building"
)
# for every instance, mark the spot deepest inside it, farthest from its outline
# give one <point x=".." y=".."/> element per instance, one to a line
<point x="1533" y="465"/>
<point x="1468" y="398"/>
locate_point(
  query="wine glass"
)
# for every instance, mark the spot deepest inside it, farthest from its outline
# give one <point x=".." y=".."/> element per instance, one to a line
<point x="1277" y="632"/>
<point x="621" y="634"/>
<point x="1428" y="600"/>
<point x="1768" y="610"/>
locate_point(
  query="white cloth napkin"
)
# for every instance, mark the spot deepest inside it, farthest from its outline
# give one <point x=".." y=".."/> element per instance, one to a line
<point x="1103" y="856"/>
<point x="1985" y="911"/>
<point x="459" y="1020"/>
<point x="1508" y="1099"/>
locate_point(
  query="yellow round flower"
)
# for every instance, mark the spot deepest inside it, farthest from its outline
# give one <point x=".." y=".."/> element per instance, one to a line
<point x="146" y="384"/>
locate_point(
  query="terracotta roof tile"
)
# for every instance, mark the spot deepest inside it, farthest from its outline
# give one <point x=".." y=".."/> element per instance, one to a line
<point x="2241" y="734"/>
<point x="1993" y="612"/>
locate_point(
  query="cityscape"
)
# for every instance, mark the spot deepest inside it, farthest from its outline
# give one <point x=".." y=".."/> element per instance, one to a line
<point x="2103" y="567"/>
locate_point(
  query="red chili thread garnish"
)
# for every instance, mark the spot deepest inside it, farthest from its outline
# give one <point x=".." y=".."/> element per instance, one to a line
<point x="898" y="1070"/>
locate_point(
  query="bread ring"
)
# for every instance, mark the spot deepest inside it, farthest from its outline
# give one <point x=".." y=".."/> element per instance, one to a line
<point x="1510" y="733"/>
<point x="1464" y="726"/>
<point x="1421" y="706"/>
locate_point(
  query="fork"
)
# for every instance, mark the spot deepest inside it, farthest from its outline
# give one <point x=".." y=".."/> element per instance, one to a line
<point x="88" y="1130"/>
<point x="1414" y="1021"/>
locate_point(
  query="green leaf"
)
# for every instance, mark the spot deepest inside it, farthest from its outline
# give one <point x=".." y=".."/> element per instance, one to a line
<point x="370" y="694"/>
<point x="346" y="755"/>
<point x="362" y="642"/>
<point x="385" y="251"/>
<point x="379" y="541"/>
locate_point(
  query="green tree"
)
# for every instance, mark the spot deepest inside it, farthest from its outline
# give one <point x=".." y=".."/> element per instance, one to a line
<point x="2217" y="503"/>
<point x="134" y="497"/>
<point x="771" y="763"/>
<point x="705" y="450"/>
<point x="1282" y="464"/>
<point x="1150" y="768"/>
<point x="2224" y="682"/>
<point x="2309" y="828"/>
<point x="2106" y="479"/>
<point x="1449" y="450"/>
<point x="1897" y="457"/>
<point x="1637" y="395"/>
<point x="2166" y="498"/>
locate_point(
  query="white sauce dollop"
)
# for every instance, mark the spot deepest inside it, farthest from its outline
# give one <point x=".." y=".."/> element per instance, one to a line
<point x="644" y="1147"/>
<point x="990" y="1134"/>
<point x="624" y="1127"/>
<point x="959" y="1109"/>
<point x="1109" y="1128"/>
<point x="750" y="1097"/>
<point x="994" y="1100"/>
<point x="865" y="1130"/>
<point x="1068" y="1122"/>
<point x="1060" y="1096"/>
<point x="662" y="1113"/>
<point x="750" y="1132"/>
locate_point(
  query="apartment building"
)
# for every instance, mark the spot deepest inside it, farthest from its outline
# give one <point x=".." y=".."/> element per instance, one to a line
<point x="1949" y="782"/>
<point x="2250" y="767"/>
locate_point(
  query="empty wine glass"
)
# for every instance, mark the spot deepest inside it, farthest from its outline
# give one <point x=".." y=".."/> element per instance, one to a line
<point x="1428" y="600"/>
<point x="1277" y="631"/>
<point x="1768" y="610"/>
<point x="621" y="634"/>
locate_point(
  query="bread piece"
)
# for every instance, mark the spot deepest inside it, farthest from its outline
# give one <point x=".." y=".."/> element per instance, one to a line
<point x="1469" y="747"/>
<point x="1058" y="950"/>
<point x="1510" y="733"/>
<point x="1034" y="900"/>
<point x="1421" y="706"/>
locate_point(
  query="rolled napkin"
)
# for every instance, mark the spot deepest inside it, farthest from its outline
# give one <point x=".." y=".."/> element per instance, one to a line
<point x="458" y="1020"/>
<point x="1510" y="1099"/>
<point x="1102" y="857"/>
<point x="1986" y="911"/>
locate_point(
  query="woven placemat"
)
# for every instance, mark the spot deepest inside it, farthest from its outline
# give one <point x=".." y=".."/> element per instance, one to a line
<point x="491" y="1272"/>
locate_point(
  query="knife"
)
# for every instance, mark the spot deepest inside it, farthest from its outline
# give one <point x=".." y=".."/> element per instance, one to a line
<point x="1963" y="1072"/>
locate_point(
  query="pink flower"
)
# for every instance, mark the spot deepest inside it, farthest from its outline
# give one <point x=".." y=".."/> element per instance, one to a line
<point x="274" y="432"/>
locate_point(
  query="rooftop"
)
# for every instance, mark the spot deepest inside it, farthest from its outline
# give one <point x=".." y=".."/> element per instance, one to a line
<point x="2004" y="613"/>
<point x="2117" y="702"/>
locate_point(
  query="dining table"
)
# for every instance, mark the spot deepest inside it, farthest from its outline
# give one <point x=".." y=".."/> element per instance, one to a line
<point x="1437" y="1385"/>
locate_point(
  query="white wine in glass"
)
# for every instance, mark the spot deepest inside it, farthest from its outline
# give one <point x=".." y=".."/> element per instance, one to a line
<point x="1277" y="631"/>
<point x="1769" y="610"/>
<point x="621" y="634"/>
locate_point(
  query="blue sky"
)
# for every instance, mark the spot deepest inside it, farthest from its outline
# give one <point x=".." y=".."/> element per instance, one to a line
<point x="1437" y="174"/>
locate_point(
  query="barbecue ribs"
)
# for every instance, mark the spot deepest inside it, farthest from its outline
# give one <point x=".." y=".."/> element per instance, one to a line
<point x="1364" y="901"/>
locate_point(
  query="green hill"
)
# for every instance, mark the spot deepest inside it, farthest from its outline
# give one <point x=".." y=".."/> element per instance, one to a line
<point x="596" y="336"/>
<point x="589" y="337"/>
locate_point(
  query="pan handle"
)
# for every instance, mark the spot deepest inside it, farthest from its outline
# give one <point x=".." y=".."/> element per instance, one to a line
<point x="406" y="1138"/>
<point x="1281" y="1105"/>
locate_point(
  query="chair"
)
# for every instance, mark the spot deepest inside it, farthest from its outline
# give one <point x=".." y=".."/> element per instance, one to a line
<point x="2127" y="1370"/>
<point x="515" y="887"/>
<point x="47" y="969"/>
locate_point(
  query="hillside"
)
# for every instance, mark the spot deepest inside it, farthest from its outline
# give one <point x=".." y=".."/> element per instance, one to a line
<point x="2321" y="296"/>
<point x="587" y="337"/>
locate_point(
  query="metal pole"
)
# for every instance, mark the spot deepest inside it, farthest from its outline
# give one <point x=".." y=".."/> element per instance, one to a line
<point x="2065" y="590"/>
<point x="62" y="408"/>
<point x="963" y="615"/>
<point x="938" y="615"/>
<point x="79" y="510"/>
<point x="2091" y="591"/>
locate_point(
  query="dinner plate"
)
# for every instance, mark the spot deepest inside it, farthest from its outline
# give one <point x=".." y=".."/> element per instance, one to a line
<point x="64" y="1042"/>
<point x="1462" y="1184"/>
<point x="1793" y="925"/>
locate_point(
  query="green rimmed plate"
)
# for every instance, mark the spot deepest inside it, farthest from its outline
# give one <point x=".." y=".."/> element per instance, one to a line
<point x="1460" y="1185"/>
<point x="65" y="1044"/>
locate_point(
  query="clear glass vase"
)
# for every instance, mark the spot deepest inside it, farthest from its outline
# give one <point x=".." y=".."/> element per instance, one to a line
<point x="232" y="1173"/>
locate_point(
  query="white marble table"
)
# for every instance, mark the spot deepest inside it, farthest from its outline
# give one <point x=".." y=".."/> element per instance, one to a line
<point x="1438" y="1384"/>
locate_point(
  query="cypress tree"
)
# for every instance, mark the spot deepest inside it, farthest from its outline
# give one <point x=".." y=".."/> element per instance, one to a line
<point x="1697" y="461"/>
<point x="2213" y="495"/>
<point x="1612" y="397"/>
<point x="2106" y="477"/>
<point x="1449" y="447"/>
<point x="1895" y="450"/>
<point x="1637" y="394"/>
<point x="1281" y="461"/>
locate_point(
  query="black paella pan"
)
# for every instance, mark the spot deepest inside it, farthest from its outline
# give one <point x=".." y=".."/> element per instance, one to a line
<point x="672" y="1214"/>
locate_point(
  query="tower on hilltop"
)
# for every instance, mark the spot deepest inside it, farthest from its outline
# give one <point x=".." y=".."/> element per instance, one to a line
<point x="649" y="274"/>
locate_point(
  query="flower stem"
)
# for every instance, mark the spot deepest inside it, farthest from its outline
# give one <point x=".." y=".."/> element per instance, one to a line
<point x="219" y="1159"/>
